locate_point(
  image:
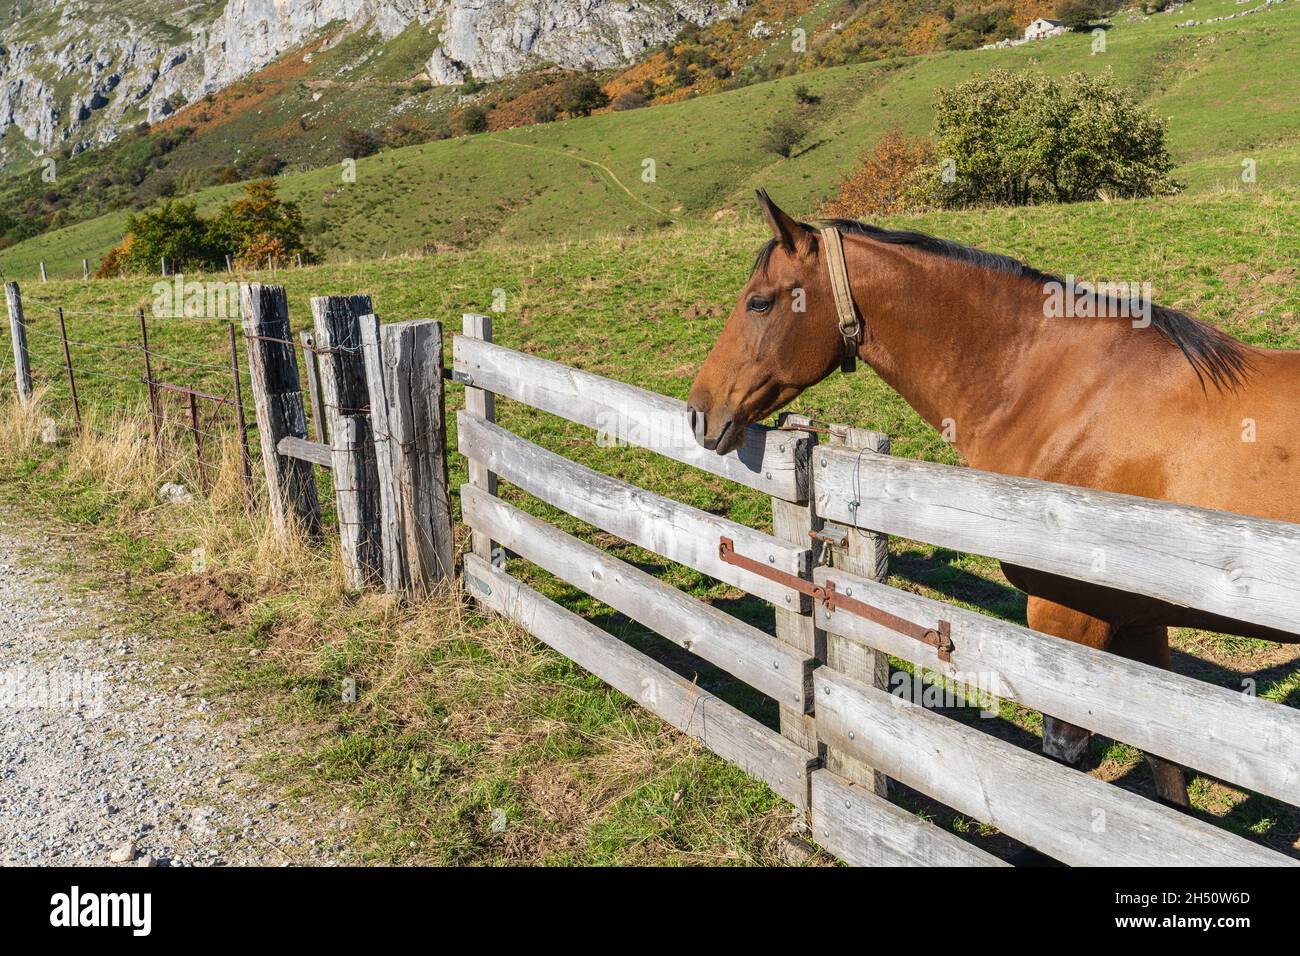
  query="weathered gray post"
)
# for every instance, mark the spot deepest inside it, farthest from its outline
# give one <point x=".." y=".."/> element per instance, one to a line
<point x="865" y="553"/>
<point x="277" y="397"/>
<point x="795" y="625"/>
<point x="352" y="448"/>
<point x="18" y="334"/>
<point x="484" y="404"/>
<point x="43" y="276"/>
<point x="404" y="373"/>
<point x="85" y="269"/>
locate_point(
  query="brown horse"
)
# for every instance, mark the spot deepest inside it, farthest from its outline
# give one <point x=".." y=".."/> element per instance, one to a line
<point x="1159" y="405"/>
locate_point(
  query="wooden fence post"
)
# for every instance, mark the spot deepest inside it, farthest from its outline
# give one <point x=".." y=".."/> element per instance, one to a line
<point x="44" y="278"/>
<point x="277" y="398"/>
<point x="484" y="404"/>
<point x="312" y="366"/>
<point x="18" y="333"/>
<point x="866" y="553"/>
<point x="404" y="375"/>
<point x="795" y="625"/>
<point x="85" y="269"/>
<point x="352" y="448"/>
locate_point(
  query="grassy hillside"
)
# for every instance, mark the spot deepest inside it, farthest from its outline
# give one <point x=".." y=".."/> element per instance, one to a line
<point x="1229" y="90"/>
<point x="462" y="717"/>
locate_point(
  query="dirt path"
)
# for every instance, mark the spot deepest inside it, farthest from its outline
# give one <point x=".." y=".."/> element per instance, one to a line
<point x="109" y="756"/>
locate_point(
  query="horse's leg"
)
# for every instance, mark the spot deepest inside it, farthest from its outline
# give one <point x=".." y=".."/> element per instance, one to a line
<point x="1064" y="741"/>
<point x="1150" y="645"/>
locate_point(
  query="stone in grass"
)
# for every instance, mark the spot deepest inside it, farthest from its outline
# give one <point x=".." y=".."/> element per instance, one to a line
<point x="123" y="854"/>
<point x="49" y="431"/>
<point x="174" y="494"/>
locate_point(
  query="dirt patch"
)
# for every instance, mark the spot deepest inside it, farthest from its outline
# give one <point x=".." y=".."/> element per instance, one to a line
<point x="207" y="592"/>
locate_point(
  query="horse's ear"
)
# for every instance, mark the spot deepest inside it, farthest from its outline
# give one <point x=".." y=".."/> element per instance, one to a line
<point x="793" y="235"/>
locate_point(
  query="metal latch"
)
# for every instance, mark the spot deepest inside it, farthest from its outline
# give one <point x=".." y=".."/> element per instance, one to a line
<point x="836" y="535"/>
<point x="940" y="637"/>
<point x="463" y="377"/>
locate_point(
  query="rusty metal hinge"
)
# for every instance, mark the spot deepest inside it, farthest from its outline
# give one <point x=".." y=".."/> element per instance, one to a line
<point x="940" y="638"/>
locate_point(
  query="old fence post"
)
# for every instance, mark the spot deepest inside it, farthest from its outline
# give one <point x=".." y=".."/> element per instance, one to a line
<point x="404" y="372"/>
<point x="484" y="404"/>
<point x="352" y="448"/>
<point x="18" y="333"/>
<point x="792" y="521"/>
<point x="865" y="553"/>
<point x="277" y="398"/>
<point x="44" y="277"/>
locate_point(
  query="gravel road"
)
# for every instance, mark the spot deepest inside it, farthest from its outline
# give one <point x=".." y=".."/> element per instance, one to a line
<point x="108" y="756"/>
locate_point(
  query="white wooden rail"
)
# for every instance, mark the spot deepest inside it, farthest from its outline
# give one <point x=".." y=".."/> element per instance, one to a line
<point x="1239" y="567"/>
<point x="769" y="460"/>
<point x="677" y="531"/>
<point x="1234" y="736"/>
<point x="1067" y="814"/>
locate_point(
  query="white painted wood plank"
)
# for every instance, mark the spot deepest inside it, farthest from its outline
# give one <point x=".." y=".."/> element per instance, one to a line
<point x="864" y="829"/>
<point x="768" y="460"/>
<point x="678" y="532"/>
<point x="738" y="648"/>
<point x="1239" y="738"/>
<point x="758" y="750"/>
<point x="1069" y="815"/>
<point x="1237" y="566"/>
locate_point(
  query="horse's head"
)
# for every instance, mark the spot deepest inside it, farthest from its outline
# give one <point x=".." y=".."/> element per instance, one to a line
<point x="782" y="337"/>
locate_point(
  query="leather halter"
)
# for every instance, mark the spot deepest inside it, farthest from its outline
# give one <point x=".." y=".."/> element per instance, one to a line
<point x="850" y="321"/>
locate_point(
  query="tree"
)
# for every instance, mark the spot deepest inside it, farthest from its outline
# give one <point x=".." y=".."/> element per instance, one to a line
<point x="784" y="135"/>
<point x="1023" y="138"/>
<point x="258" y="225"/>
<point x="882" y="183"/>
<point x="582" y="96"/>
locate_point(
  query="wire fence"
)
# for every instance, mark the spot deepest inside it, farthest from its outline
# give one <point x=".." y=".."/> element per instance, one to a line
<point x="180" y="380"/>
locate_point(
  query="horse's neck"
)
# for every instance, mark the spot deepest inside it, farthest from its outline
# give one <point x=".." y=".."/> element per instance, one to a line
<point x="962" y="345"/>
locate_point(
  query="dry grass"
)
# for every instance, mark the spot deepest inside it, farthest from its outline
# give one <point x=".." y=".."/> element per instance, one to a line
<point x="469" y="741"/>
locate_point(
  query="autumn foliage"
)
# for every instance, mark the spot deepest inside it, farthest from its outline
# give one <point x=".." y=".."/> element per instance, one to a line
<point x="880" y="186"/>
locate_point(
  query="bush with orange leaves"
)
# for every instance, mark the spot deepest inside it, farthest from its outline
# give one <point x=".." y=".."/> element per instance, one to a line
<point x="882" y="184"/>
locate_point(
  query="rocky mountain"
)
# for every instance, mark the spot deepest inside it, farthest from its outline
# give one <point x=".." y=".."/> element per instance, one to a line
<point x="75" y="73"/>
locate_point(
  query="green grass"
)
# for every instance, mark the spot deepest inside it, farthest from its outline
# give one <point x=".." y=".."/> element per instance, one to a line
<point x="1228" y="89"/>
<point x="625" y="791"/>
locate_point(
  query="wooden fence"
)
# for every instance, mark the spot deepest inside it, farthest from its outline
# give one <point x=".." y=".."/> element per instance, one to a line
<point x="378" y="425"/>
<point x="842" y="732"/>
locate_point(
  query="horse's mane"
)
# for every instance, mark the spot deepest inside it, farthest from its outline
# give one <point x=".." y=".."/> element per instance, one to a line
<point x="1213" y="354"/>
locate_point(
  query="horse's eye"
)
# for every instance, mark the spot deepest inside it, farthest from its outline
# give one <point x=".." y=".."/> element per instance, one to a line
<point x="759" y="304"/>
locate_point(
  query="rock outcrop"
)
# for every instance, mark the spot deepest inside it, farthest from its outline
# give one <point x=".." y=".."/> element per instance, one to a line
<point x="76" y="72"/>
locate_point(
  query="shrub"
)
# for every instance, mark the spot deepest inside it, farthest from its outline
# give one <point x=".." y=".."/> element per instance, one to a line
<point x="172" y="229"/>
<point x="546" y="114"/>
<point x="805" y="96"/>
<point x="631" y="100"/>
<point x="882" y="185"/>
<point x="582" y="96"/>
<point x="1023" y="138"/>
<point x="784" y="135"/>
<point x="360" y="142"/>
<point x="1081" y="14"/>
<point x="474" y="120"/>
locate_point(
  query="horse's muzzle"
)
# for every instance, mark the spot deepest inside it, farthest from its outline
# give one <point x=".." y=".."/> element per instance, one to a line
<point x="721" y="442"/>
